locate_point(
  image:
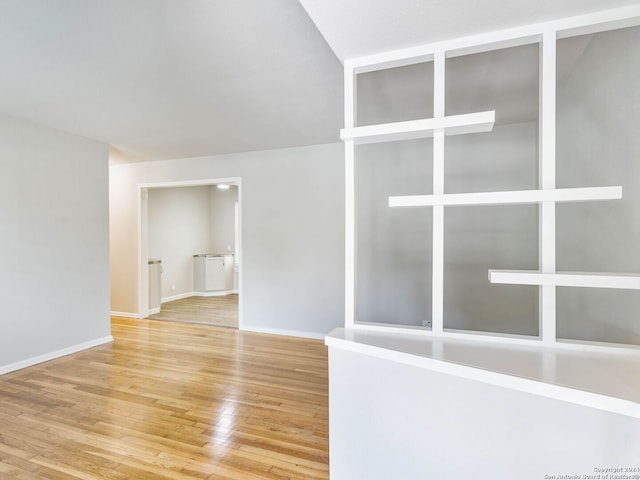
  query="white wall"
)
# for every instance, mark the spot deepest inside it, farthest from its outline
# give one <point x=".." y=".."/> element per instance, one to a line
<point x="406" y="422"/>
<point x="54" y="266"/>
<point x="292" y="233"/>
<point x="223" y="219"/>
<point x="179" y="227"/>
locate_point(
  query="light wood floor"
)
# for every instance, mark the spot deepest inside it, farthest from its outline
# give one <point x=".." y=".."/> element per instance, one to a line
<point x="221" y="311"/>
<point x="170" y="401"/>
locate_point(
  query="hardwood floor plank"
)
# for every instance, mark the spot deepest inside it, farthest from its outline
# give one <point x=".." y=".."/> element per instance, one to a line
<point x="170" y="400"/>
<point x="221" y="311"/>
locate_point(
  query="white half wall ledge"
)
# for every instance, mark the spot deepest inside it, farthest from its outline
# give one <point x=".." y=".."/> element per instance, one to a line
<point x="509" y="197"/>
<point x="29" y="362"/>
<point x="607" y="382"/>
<point x="478" y="122"/>
<point x="627" y="281"/>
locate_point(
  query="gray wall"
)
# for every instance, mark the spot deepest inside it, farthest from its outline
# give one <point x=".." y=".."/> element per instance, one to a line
<point x="54" y="267"/>
<point x="293" y="232"/>
<point x="179" y="227"/>
<point x="598" y="144"/>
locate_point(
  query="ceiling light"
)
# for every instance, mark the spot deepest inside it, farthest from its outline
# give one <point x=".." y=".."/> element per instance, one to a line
<point x="223" y="186"/>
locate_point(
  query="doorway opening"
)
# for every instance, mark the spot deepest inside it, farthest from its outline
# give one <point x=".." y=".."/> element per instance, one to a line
<point x="190" y="251"/>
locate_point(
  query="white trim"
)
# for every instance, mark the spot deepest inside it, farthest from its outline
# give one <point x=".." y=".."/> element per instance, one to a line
<point x="499" y="338"/>
<point x="349" y="201"/>
<point x="478" y="122"/>
<point x="191" y="183"/>
<point x="437" y="255"/>
<point x="565" y="27"/>
<point x="153" y="311"/>
<point x="12" y="367"/>
<point x="339" y="339"/>
<point x="143" y="249"/>
<point x="599" y="347"/>
<point x="216" y="293"/>
<point x="143" y="241"/>
<point x="547" y="181"/>
<point x="511" y="197"/>
<point x="238" y="256"/>
<point x="449" y="333"/>
<point x="180" y="296"/>
<point x="124" y="314"/>
<point x="284" y="332"/>
<point x="566" y="279"/>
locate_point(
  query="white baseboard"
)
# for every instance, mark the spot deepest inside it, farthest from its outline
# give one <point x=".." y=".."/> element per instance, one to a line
<point x="180" y="296"/>
<point x="124" y="314"/>
<point x="12" y="367"/>
<point x="235" y="290"/>
<point x="217" y="293"/>
<point x="153" y="311"/>
<point x="280" y="331"/>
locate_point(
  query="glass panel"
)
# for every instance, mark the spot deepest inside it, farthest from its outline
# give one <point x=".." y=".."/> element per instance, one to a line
<point x="393" y="247"/>
<point x="598" y="113"/>
<point x="479" y="238"/>
<point x="599" y="314"/>
<point x="504" y="80"/>
<point x="395" y="94"/>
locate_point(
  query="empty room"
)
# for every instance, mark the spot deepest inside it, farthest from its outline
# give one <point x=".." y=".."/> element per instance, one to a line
<point x="312" y="239"/>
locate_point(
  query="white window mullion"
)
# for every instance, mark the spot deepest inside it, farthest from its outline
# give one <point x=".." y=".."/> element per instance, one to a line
<point x="437" y="283"/>
<point x="547" y="181"/>
<point x="349" y="198"/>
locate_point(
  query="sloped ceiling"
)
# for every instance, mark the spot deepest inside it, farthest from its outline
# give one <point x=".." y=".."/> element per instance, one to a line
<point x="161" y="79"/>
<point x="355" y="28"/>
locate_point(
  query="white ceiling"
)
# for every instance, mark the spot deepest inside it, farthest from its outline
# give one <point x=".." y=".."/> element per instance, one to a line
<point x="162" y="79"/>
<point x="355" y="28"/>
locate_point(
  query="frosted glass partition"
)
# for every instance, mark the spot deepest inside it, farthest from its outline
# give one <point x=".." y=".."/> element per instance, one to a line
<point x="505" y="80"/>
<point x="507" y="157"/>
<point x="395" y="94"/>
<point x="393" y="246"/>
<point x="598" y="113"/>
<point x="534" y="179"/>
<point x="479" y="238"/>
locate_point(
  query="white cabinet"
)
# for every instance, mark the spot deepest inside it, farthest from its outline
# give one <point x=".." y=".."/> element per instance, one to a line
<point x="212" y="274"/>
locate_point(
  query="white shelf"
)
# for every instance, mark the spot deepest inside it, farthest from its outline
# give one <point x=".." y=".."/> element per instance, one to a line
<point x="512" y="197"/>
<point x="566" y="279"/>
<point x="390" y="132"/>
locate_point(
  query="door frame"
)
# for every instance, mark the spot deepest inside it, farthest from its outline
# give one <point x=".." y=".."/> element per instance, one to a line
<point x="143" y="238"/>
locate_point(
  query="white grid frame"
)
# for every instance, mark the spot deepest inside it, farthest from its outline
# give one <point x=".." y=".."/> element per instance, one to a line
<point x="546" y="35"/>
